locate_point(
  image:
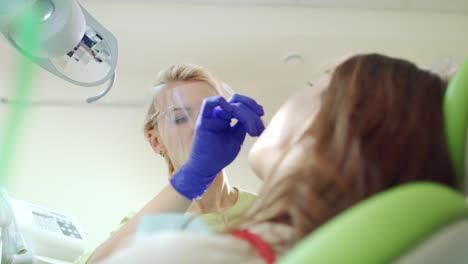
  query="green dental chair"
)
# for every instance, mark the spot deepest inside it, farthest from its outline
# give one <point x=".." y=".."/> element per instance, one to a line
<point x="415" y="223"/>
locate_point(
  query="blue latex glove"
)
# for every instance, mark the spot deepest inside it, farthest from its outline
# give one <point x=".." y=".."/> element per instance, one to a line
<point x="216" y="143"/>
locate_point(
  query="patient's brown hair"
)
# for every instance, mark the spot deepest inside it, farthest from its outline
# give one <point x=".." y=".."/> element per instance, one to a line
<point x="380" y="124"/>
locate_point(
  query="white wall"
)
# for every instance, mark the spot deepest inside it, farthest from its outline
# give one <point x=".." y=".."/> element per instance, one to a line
<point x="93" y="163"/>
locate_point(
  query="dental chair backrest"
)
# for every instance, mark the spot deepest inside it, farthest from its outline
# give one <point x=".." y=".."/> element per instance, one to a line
<point x="456" y="124"/>
<point x="414" y="223"/>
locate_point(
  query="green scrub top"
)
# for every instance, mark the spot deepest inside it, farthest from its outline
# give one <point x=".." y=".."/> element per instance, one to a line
<point x="215" y="220"/>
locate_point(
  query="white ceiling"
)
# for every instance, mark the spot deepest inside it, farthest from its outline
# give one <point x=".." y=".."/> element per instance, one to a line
<point x="245" y="46"/>
<point x="402" y="5"/>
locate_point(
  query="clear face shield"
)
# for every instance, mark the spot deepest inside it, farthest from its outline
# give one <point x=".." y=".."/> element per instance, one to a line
<point x="177" y="112"/>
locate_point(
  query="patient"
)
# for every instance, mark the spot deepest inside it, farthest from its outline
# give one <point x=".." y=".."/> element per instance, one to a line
<point x="377" y="124"/>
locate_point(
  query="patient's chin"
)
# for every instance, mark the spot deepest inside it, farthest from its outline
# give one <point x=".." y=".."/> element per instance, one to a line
<point x="262" y="160"/>
<point x="255" y="162"/>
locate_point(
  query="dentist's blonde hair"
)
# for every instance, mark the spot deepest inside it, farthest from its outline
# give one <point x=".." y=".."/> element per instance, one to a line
<point x="179" y="72"/>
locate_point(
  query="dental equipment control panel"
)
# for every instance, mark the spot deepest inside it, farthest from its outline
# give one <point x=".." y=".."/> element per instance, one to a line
<point x="56" y="223"/>
<point x="45" y="236"/>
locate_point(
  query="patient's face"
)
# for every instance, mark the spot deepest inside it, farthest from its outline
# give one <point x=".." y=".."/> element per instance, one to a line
<point x="292" y="119"/>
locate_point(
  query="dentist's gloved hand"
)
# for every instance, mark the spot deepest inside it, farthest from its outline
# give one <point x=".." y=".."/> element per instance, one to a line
<point x="216" y="143"/>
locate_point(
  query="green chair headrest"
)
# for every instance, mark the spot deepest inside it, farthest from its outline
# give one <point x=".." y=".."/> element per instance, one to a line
<point x="383" y="227"/>
<point x="456" y="120"/>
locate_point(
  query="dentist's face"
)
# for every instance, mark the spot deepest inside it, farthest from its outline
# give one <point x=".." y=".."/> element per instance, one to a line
<point x="179" y="105"/>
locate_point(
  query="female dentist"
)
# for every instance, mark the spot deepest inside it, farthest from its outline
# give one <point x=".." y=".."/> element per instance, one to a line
<point x="197" y="184"/>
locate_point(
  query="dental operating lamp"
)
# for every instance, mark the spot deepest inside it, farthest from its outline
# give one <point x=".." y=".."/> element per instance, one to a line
<point x="71" y="44"/>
